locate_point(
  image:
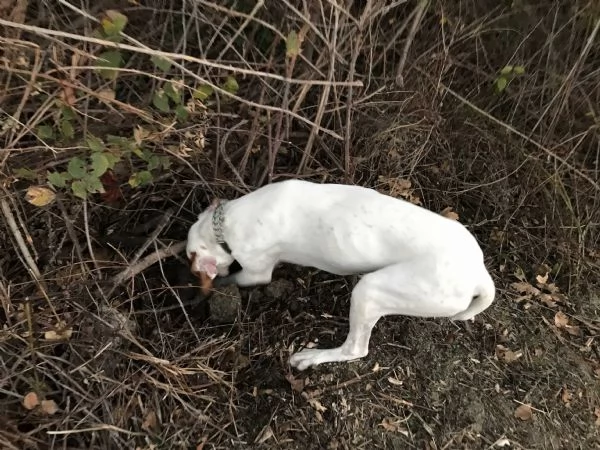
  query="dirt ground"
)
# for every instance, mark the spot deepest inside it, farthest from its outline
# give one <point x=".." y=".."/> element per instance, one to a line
<point x="486" y="112"/>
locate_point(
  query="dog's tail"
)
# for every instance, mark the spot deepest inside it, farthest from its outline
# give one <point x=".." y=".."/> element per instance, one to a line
<point x="482" y="299"/>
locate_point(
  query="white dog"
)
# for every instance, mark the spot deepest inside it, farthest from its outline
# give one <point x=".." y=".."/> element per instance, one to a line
<point x="417" y="263"/>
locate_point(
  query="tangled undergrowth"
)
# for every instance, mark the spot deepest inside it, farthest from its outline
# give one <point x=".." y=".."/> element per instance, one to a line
<point x="121" y="120"/>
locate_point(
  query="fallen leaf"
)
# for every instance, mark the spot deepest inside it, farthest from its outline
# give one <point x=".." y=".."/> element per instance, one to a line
<point x="502" y="442"/>
<point x="68" y="94"/>
<point x="566" y="396"/>
<point x="39" y="196"/>
<point x="542" y="279"/>
<point x="448" y="213"/>
<point x="395" y="381"/>
<point x="31" y="400"/>
<point x="523" y="287"/>
<point x="393" y="425"/>
<point x="200" y="446"/>
<point x="597" y="414"/>
<point x="561" y="321"/>
<point x="150" y="421"/>
<point x="524" y="412"/>
<point x="265" y="434"/>
<point x="106" y="94"/>
<point x="49" y="407"/>
<point x="547" y="300"/>
<point x="507" y="355"/>
<point x="112" y="193"/>
<point x="60" y="334"/>
<point x="317" y="405"/>
<point x="297" y="384"/>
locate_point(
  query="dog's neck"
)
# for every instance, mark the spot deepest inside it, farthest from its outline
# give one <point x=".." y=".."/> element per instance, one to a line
<point x="218" y="225"/>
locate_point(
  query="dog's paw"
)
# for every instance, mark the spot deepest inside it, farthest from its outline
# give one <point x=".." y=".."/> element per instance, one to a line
<point x="313" y="357"/>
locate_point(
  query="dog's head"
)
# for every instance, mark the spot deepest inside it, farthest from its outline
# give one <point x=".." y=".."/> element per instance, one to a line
<point x="205" y="254"/>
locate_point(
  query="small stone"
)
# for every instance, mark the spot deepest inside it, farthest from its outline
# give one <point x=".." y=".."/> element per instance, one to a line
<point x="225" y="304"/>
<point x="278" y="289"/>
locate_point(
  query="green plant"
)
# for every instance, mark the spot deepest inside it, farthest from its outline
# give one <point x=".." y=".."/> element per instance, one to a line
<point x="83" y="174"/>
<point x="507" y="74"/>
<point x="112" y="24"/>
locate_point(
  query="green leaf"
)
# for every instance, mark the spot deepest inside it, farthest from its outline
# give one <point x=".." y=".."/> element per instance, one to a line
<point x="506" y="70"/>
<point x="153" y="162"/>
<point x="203" y="92"/>
<point x="94" y="144"/>
<point x="501" y="83"/>
<point x="66" y="129"/>
<point x="99" y="164"/>
<point x="113" y="24"/>
<point x="181" y="112"/>
<point x="165" y="161"/>
<point x="57" y="179"/>
<point x="160" y="62"/>
<point x="140" y="178"/>
<point x="76" y="167"/>
<point x="25" y="173"/>
<point x="292" y="45"/>
<point x="172" y="92"/>
<point x="107" y="62"/>
<point x="79" y="189"/>
<point x="67" y="113"/>
<point x="231" y="85"/>
<point x="519" y="70"/>
<point x="112" y="159"/>
<point x="161" y="101"/>
<point x="45" y="132"/>
<point x="93" y="185"/>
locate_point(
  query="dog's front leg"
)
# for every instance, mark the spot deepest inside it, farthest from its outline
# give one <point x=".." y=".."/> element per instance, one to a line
<point x="245" y="278"/>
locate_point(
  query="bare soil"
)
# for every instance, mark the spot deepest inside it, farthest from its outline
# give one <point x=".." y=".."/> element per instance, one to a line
<point x="105" y="341"/>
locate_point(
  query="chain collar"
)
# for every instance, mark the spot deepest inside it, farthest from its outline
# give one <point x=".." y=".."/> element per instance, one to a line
<point x="218" y="220"/>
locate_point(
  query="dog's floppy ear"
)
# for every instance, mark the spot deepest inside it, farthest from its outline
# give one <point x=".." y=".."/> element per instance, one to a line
<point x="205" y="264"/>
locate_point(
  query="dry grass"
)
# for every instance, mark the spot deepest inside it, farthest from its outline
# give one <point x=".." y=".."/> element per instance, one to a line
<point x="382" y="93"/>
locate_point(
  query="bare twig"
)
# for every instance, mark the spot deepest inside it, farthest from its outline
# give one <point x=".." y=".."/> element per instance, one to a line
<point x="420" y="10"/>
<point x="146" y="262"/>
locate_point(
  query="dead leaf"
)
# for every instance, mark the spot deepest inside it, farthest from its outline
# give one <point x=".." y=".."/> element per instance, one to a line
<point x="296" y="383"/>
<point x="202" y="443"/>
<point x="566" y="396"/>
<point x="507" y="355"/>
<point x="112" y="193"/>
<point x="265" y="434"/>
<point x="39" y="196"/>
<point x="150" y="421"/>
<point x="597" y="414"/>
<point x="547" y="300"/>
<point x="542" y="279"/>
<point x="448" y="213"/>
<point x="106" y="94"/>
<point x="399" y="187"/>
<point x="524" y="412"/>
<point x="317" y="405"/>
<point x="60" y="333"/>
<point x="523" y="287"/>
<point x="49" y="407"/>
<point x="561" y="321"/>
<point x="31" y="400"/>
<point x="393" y="425"/>
<point x="395" y="381"/>
<point x="67" y="94"/>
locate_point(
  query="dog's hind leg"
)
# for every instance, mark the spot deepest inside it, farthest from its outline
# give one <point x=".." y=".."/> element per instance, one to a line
<point x="424" y="288"/>
<point x="364" y="314"/>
